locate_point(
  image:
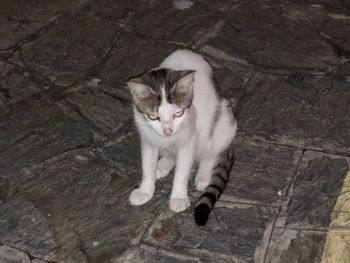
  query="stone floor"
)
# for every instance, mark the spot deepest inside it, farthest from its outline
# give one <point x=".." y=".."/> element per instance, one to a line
<point x="69" y="152"/>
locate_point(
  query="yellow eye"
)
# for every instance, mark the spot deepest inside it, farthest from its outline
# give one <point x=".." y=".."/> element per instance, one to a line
<point x="179" y="113"/>
<point x="152" y="116"/>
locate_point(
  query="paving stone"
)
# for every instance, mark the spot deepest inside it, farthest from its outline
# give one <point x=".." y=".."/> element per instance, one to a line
<point x="342" y="73"/>
<point x="262" y="39"/>
<point x="298" y="110"/>
<point x="106" y="112"/>
<point x="15" y="86"/>
<point x="19" y="19"/>
<point x="261" y="173"/>
<point x="149" y="254"/>
<point x="37" y="132"/>
<point x="125" y="156"/>
<point x="23" y="226"/>
<point x="37" y="260"/>
<point x="11" y="255"/>
<point x="178" y="21"/>
<point x="296" y="246"/>
<point x="240" y="232"/>
<point x="316" y="189"/>
<point x="70" y="48"/>
<point x="82" y="207"/>
<point x="133" y="56"/>
<point x="337" y="32"/>
<point x="331" y="6"/>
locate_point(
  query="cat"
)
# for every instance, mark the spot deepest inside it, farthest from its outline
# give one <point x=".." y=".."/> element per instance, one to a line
<point x="181" y="119"/>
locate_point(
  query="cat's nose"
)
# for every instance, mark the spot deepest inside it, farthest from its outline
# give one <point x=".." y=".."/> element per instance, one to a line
<point x="168" y="131"/>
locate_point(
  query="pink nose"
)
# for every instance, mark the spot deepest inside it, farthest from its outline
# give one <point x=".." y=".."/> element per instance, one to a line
<point x="167" y="131"/>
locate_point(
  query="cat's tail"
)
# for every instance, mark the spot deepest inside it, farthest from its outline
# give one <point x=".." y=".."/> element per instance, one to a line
<point x="218" y="183"/>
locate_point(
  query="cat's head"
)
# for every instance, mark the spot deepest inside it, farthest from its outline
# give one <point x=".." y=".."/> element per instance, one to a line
<point x="163" y="96"/>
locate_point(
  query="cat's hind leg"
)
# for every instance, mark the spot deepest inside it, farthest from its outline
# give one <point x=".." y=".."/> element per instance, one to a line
<point x="165" y="164"/>
<point x="204" y="173"/>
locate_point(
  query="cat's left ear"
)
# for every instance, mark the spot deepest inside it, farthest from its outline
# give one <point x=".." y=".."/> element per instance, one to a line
<point x="182" y="92"/>
<point x="184" y="79"/>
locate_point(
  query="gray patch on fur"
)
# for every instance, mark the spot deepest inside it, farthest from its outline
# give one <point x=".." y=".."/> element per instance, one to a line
<point x="215" y="119"/>
<point x="168" y="79"/>
<point x="221" y="173"/>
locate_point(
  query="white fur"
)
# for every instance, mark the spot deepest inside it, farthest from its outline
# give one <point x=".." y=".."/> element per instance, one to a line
<point x="190" y="139"/>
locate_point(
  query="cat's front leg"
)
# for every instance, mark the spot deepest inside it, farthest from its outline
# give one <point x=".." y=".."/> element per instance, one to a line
<point x="145" y="192"/>
<point x="179" y="200"/>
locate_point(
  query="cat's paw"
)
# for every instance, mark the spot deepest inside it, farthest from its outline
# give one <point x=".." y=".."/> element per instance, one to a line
<point x="179" y="204"/>
<point x="164" y="167"/>
<point x="137" y="197"/>
<point x="202" y="182"/>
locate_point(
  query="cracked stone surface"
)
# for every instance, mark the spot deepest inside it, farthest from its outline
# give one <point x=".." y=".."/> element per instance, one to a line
<point x="9" y="254"/>
<point x="70" y="152"/>
<point x="315" y="191"/>
<point x="287" y="245"/>
<point x="238" y="232"/>
<point x="262" y="172"/>
<point x="310" y="112"/>
<point x="72" y="47"/>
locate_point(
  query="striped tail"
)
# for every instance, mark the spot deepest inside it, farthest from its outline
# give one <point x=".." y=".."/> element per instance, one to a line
<point x="212" y="193"/>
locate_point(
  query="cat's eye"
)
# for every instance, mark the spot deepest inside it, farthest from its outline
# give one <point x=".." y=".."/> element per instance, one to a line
<point x="179" y="113"/>
<point x="152" y="116"/>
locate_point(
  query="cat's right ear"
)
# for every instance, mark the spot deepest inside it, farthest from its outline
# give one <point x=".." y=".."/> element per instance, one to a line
<point x="139" y="89"/>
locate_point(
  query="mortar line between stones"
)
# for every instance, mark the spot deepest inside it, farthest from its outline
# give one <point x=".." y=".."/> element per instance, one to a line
<point x="292" y="181"/>
<point x="265" y="69"/>
<point x="31" y="37"/>
<point x="270" y="235"/>
<point x="30" y="256"/>
<point x="324" y="151"/>
<point x="280" y="206"/>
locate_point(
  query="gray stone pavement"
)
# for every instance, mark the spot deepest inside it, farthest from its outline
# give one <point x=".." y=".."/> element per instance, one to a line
<point x="69" y="152"/>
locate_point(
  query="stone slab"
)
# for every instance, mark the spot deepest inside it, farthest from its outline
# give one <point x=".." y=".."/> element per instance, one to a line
<point x="132" y="56"/>
<point x="182" y="22"/>
<point x="237" y="232"/>
<point x="37" y="131"/>
<point x="150" y="254"/>
<point x="11" y="255"/>
<point x="15" y="86"/>
<point x="316" y="189"/>
<point x="298" y="110"/>
<point x="337" y="32"/>
<point x="20" y="19"/>
<point x="296" y="246"/>
<point x="261" y="172"/>
<point x="262" y="39"/>
<point x="80" y="207"/>
<point x="71" y="48"/>
<point x="124" y="156"/>
<point x="104" y="111"/>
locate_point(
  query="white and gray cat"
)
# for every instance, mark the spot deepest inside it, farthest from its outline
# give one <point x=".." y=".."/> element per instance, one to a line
<point x="181" y="118"/>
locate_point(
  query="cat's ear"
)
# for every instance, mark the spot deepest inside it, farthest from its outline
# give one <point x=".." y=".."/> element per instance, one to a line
<point x="138" y="88"/>
<point x="182" y="92"/>
<point x="141" y="92"/>
<point x="184" y="79"/>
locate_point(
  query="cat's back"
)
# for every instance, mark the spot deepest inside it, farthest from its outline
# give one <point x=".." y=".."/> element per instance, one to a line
<point x="183" y="59"/>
